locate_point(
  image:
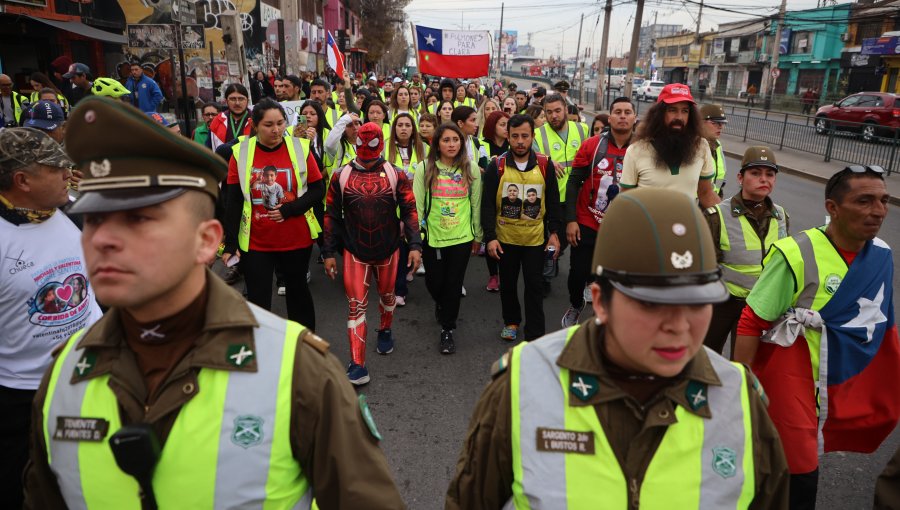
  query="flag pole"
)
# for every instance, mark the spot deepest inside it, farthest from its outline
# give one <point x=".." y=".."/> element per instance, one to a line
<point x="415" y="39"/>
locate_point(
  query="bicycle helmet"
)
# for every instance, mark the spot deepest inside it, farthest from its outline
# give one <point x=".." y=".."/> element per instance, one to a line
<point x="109" y="87"/>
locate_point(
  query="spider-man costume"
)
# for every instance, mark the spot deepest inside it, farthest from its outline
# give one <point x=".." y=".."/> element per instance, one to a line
<point x="362" y="219"/>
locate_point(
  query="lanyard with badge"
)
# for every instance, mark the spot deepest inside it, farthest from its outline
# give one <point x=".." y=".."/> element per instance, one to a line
<point x="236" y="128"/>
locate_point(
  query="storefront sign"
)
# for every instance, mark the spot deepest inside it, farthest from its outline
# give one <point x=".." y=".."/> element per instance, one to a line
<point x="881" y="46"/>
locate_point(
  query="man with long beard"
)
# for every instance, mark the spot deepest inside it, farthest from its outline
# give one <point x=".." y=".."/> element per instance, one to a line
<point x="670" y="151"/>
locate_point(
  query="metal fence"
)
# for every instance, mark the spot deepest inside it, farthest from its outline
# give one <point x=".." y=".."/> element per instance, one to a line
<point x="844" y="142"/>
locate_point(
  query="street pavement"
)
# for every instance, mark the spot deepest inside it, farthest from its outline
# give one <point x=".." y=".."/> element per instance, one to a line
<point x="422" y="400"/>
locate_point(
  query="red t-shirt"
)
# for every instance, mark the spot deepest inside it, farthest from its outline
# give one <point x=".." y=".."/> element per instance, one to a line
<point x="265" y="234"/>
<point x="592" y="199"/>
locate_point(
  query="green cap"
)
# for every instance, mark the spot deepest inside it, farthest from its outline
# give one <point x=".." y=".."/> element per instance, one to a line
<point x="759" y="156"/>
<point x="129" y="161"/>
<point x="714" y="112"/>
<point x="655" y="246"/>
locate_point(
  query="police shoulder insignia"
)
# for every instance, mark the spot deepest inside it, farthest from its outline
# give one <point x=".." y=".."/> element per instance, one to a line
<point x="368" y="418"/>
<point x="239" y="354"/>
<point x="86" y="364"/>
<point x="248" y="431"/>
<point x="724" y="461"/>
<point x="315" y="341"/>
<point x="500" y="365"/>
<point x="696" y="394"/>
<point x="584" y="386"/>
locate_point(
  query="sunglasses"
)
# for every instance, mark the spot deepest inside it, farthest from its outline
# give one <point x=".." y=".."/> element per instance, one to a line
<point x="853" y="169"/>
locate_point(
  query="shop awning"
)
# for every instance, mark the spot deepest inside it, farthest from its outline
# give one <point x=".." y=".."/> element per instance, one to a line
<point x="77" y="27"/>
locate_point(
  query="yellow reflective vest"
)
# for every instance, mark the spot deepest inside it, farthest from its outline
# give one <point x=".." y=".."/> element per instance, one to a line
<point x="562" y="458"/>
<point x="243" y="156"/>
<point x="550" y="144"/>
<point x="229" y="446"/>
<point x="742" y="249"/>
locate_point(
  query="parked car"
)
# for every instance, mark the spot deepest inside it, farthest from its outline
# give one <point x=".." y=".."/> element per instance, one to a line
<point x="650" y="90"/>
<point x="636" y="86"/>
<point x="867" y="113"/>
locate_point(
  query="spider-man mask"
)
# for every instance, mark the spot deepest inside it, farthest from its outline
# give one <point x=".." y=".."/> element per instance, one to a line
<point x="369" y="142"/>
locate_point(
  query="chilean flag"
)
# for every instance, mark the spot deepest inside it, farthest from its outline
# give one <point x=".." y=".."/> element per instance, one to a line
<point x="335" y="58"/>
<point x="859" y="369"/>
<point x="453" y="53"/>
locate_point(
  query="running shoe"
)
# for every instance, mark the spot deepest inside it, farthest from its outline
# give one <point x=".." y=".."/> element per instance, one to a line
<point x="463" y="291"/>
<point x="570" y="318"/>
<point x="586" y="295"/>
<point x="421" y="270"/>
<point x="493" y="284"/>
<point x="282" y="290"/>
<point x="509" y="332"/>
<point x="401" y="300"/>
<point x="308" y="276"/>
<point x="385" y="342"/>
<point x="447" y="344"/>
<point x="357" y="374"/>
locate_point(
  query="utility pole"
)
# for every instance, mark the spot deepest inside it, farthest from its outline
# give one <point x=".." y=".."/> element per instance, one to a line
<point x="773" y="66"/>
<point x="601" y="60"/>
<point x="500" y="40"/>
<point x="633" y="53"/>
<point x="699" y="15"/>
<point x="578" y="52"/>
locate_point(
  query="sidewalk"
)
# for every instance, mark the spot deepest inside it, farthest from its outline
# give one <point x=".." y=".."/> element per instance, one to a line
<point x="802" y="164"/>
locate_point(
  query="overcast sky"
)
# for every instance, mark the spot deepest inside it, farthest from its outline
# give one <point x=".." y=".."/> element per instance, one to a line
<point x="554" y="25"/>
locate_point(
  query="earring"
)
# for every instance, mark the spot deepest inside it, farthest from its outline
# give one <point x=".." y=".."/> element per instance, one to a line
<point x="598" y="321"/>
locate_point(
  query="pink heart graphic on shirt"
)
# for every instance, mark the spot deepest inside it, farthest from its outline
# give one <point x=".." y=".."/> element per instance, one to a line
<point x="64" y="292"/>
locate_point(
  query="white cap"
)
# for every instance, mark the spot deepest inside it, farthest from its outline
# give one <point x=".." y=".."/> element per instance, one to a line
<point x="398" y="80"/>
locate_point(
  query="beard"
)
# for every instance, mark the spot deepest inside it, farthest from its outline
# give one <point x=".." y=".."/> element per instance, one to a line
<point x="675" y="147"/>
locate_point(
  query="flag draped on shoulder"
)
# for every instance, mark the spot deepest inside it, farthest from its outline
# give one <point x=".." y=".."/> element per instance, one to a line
<point x="453" y="53"/>
<point x="335" y="57"/>
<point x="861" y="362"/>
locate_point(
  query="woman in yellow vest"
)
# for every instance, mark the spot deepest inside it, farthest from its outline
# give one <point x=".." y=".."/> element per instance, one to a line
<point x="377" y="112"/>
<point x="406" y="151"/>
<point x="462" y="97"/>
<point x="40" y="81"/>
<point x="273" y="183"/>
<point x="401" y="102"/>
<point x="628" y="410"/>
<point x="444" y="111"/>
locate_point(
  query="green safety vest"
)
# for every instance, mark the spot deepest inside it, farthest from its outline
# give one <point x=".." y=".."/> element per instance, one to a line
<point x="17" y="107"/>
<point x="332" y="115"/>
<point x="243" y="155"/>
<point x="468" y="101"/>
<point x="63" y="102"/>
<point x="229" y="446"/>
<point x="348" y="153"/>
<point x="742" y="249"/>
<point x="704" y="463"/>
<point x="818" y="270"/>
<point x="719" y="158"/>
<point x="561" y="151"/>
<point x="415" y="160"/>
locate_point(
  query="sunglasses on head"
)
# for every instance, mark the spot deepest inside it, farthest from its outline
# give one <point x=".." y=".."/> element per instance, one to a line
<point x="853" y="169"/>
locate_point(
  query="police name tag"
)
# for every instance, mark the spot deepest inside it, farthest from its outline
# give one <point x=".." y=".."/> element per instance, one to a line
<point x="565" y="441"/>
<point x="76" y="428"/>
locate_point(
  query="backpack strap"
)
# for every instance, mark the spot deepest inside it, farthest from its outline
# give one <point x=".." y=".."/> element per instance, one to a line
<point x="343" y="177"/>
<point x="542" y="161"/>
<point x="501" y="166"/>
<point x="391" y="173"/>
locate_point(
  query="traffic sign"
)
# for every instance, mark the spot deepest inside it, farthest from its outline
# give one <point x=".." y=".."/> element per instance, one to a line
<point x="776" y="73"/>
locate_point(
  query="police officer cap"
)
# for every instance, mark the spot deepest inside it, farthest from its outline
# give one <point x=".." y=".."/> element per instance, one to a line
<point x="758" y="156"/>
<point x="655" y="246"/>
<point x="130" y="161"/>
<point x="561" y="86"/>
<point x="713" y="112"/>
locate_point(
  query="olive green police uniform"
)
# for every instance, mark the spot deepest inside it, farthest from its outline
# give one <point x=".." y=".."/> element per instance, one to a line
<point x="238" y="412"/>
<point x="742" y="233"/>
<point x="562" y="427"/>
<point x="716" y="112"/>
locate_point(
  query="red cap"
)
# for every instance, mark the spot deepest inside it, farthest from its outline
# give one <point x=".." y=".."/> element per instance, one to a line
<point x="675" y="93"/>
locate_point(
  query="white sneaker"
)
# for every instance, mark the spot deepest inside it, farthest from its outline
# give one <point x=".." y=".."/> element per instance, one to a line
<point x="400" y="300"/>
<point x="308" y="276"/>
<point x="586" y="295"/>
<point x="463" y="291"/>
<point x="421" y="270"/>
<point x="282" y="291"/>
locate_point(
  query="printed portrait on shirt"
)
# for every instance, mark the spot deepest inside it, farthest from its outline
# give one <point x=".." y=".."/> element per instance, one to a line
<point x="511" y="203"/>
<point x="270" y="187"/>
<point x="531" y="205"/>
